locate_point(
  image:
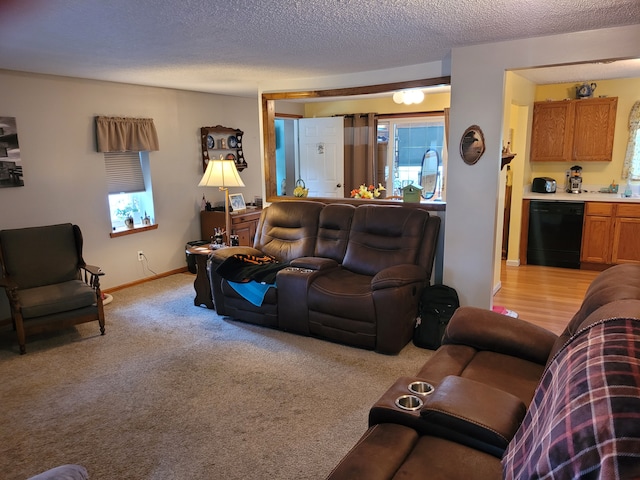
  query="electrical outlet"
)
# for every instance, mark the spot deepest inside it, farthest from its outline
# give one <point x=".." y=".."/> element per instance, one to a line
<point x="140" y="255"/>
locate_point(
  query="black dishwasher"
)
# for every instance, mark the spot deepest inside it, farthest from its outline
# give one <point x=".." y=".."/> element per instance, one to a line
<point x="555" y="233"/>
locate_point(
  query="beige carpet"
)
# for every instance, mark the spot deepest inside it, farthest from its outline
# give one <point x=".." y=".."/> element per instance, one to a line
<point x="172" y="391"/>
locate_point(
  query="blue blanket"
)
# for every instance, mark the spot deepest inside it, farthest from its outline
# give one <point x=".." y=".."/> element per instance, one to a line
<point x="252" y="291"/>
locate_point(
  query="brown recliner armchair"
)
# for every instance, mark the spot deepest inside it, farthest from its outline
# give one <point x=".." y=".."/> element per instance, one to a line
<point x="286" y="230"/>
<point x="372" y="298"/>
<point x="47" y="281"/>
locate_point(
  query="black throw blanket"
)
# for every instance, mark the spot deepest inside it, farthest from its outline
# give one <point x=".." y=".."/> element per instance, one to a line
<point x="243" y="268"/>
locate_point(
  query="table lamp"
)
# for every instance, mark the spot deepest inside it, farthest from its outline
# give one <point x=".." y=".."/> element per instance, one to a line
<point x="222" y="174"/>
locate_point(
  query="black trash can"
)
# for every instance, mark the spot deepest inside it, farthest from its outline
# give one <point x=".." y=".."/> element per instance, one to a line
<point x="191" y="259"/>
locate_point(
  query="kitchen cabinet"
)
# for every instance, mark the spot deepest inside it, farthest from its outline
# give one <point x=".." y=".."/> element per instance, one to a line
<point x="597" y="232"/>
<point x="244" y="225"/>
<point x="610" y="233"/>
<point x="573" y="130"/>
<point x="552" y="131"/>
<point x="626" y="234"/>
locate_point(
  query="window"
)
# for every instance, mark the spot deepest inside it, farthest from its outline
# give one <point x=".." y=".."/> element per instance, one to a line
<point x="130" y="192"/>
<point x="411" y="139"/>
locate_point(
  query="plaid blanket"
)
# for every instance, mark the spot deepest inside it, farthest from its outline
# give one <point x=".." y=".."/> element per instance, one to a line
<point x="584" y="421"/>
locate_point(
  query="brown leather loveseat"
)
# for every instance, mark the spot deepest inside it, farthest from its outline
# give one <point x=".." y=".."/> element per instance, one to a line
<point x="512" y="400"/>
<point x="353" y="275"/>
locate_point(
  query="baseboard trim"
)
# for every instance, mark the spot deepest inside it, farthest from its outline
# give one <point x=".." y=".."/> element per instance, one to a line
<point x="497" y="287"/>
<point x="513" y="263"/>
<point x="145" y="280"/>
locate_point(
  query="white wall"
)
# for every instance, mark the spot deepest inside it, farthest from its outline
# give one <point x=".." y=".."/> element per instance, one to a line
<point x="477" y="95"/>
<point x="65" y="177"/>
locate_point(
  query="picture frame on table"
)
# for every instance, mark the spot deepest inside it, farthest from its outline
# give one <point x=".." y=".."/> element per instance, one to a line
<point x="236" y="200"/>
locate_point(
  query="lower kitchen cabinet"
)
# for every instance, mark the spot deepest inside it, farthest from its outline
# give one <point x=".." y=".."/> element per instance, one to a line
<point x="626" y="234"/>
<point x="597" y="232"/>
<point x="611" y="233"/>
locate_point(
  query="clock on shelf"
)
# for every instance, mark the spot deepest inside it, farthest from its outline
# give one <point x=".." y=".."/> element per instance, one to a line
<point x="222" y="141"/>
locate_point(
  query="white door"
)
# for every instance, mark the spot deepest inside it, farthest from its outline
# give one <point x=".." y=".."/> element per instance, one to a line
<point x="321" y="144"/>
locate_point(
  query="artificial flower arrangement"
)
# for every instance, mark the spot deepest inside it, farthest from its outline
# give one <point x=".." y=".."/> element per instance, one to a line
<point x="367" y="192"/>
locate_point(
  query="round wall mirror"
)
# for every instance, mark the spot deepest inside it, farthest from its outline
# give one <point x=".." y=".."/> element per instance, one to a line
<point x="429" y="173"/>
<point x="472" y="145"/>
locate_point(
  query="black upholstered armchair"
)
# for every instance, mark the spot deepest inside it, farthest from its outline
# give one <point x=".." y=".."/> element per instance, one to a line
<point x="48" y="283"/>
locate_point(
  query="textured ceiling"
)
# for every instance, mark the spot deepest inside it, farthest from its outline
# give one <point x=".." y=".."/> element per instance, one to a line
<point x="229" y="47"/>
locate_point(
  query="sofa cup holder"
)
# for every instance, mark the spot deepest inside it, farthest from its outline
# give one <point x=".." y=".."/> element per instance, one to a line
<point x="421" y="388"/>
<point x="409" y="402"/>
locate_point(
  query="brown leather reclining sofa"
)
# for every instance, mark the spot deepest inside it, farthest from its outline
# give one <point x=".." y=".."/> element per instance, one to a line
<point x="512" y="400"/>
<point x="354" y="274"/>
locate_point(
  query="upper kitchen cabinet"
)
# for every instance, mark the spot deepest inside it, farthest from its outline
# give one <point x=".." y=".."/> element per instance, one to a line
<point x="573" y="130"/>
<point x="595" y="124"/>
<point x="552" y="131"/>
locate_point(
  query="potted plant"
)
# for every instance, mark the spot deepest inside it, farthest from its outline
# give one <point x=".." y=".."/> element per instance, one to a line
<point x="126" y="213"/>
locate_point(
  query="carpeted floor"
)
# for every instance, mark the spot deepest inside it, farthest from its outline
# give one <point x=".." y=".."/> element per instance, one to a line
<point x="172" y="391"/>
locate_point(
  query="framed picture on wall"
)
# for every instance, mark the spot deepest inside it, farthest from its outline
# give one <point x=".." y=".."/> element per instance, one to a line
<point x="10" y="161"/>
<point x="236" y="200"/>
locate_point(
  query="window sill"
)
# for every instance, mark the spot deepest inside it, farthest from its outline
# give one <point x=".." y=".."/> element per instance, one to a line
<point x="122" y="231"/>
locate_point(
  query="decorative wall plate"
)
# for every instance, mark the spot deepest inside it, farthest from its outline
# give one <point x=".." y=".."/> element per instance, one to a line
<point x="211" y="143"/>
<point x="231" y="156"/>
<point x="232" y="141"/>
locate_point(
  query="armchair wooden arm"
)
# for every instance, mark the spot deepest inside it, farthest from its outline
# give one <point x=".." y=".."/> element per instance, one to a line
<point x="93" y="277"/>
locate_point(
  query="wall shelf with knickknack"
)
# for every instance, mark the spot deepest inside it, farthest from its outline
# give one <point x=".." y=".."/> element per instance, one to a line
<point x="222" y="141"/>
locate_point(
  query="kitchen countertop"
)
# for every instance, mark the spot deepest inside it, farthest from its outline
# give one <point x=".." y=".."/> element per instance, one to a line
<point x="589" y="194"/>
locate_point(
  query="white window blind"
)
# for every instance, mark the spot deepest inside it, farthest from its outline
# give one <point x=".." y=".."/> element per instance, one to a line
<point x="124" y="172"/>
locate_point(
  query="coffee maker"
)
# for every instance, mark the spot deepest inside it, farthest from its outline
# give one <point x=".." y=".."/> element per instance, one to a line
<point x="574" y="180"/>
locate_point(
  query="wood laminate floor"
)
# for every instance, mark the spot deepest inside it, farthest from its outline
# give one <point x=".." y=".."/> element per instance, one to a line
<point x="545" y="296"/>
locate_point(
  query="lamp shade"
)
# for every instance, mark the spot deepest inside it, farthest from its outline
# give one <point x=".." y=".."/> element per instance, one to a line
<point x="221" y="173"/>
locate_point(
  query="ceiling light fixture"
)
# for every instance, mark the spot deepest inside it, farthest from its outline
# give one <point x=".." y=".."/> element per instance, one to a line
<point x="408" y="97"/>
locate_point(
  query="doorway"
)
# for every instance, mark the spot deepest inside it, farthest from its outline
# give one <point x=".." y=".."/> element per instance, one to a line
<point x="310" y="153"/>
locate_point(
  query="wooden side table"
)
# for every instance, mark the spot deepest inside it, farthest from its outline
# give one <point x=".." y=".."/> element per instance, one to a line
<point x="242" y="224"/>
<point x="201" y="284"/>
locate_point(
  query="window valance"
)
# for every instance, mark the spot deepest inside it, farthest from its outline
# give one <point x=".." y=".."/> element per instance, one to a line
<point x="120" y="134"/>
